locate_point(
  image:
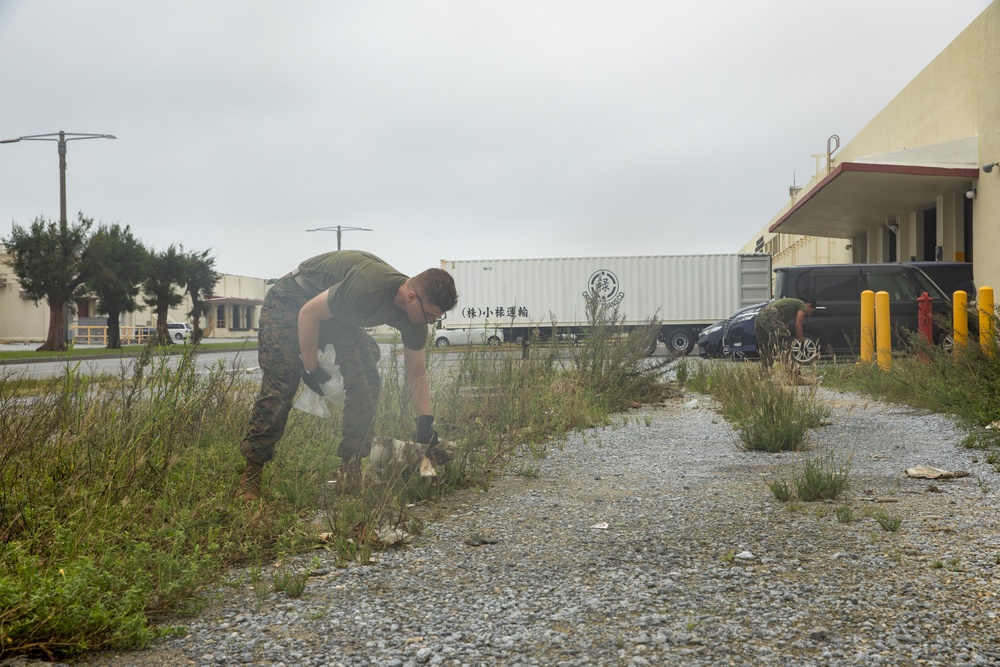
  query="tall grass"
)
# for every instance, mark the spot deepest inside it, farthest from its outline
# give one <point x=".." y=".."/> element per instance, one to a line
<point x="117" y="499"/>
<point x="768" y="413"/>
<point x="966" y="385"/>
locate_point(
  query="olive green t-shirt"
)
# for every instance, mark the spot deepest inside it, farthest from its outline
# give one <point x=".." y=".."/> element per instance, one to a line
<point x="788" y="307"/>
<point x="362" y="288"/>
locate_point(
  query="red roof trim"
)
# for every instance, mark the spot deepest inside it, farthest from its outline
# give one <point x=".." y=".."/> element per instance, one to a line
<point x="903" y="169"/>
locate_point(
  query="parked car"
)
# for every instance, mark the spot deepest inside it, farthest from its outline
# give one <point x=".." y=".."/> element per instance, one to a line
<point x="835" y="327"/>
<point x="738" y="338"/>
<point x="950" y="276"/>
<point x="179" y="330"/>
<point x="712" y="338"/>
<point x="492" y="336"/>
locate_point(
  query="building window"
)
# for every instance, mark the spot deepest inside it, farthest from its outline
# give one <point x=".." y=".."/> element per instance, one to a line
<point x="220" y="317"/>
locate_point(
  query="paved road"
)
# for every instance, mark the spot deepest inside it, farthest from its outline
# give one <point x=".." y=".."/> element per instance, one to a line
<point x="246" y="359"/>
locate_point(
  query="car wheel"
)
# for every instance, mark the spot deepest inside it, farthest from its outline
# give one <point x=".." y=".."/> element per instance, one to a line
<point x="734" y="355"/>
<point x="441" y="342"/>
<point x="493" y="341"/>
<point x="805" y="352"/>
<point x="178" y="337"/>
<point x="946" y="342"/>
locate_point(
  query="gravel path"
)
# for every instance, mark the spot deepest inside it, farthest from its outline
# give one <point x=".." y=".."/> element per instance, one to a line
<point x="698" y="563"/>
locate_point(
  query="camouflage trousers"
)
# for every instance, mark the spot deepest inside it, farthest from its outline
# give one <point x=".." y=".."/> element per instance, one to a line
<point x="278" y="355"/>
<point x="772" y="334"/>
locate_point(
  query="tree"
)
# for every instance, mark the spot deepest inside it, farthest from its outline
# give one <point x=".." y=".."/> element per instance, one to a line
<point x="164" y="272"/>
<point x="199" y="280"/>
<point x="48" y="260"/>
<point x="115" y="265"/>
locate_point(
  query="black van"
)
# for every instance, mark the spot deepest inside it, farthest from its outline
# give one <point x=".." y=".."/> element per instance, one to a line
<point x="835" y="327"/>
<point x="950" y="276"/>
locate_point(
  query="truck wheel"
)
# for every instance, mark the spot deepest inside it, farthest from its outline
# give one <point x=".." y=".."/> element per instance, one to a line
<point x="493" y="341"/>
<point x="680" y="340"/>
<point x="441" y="342"/>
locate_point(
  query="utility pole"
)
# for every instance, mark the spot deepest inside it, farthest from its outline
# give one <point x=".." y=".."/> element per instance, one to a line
<point x="60" y="138"/>
<point x="339" y="229"/>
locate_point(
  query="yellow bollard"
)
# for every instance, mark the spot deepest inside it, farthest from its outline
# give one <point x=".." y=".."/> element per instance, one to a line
<point x="987" y="331"/>
<point x="868" y="326"/>
<point x="883" y="331"/>
<point x="960" y="320"/>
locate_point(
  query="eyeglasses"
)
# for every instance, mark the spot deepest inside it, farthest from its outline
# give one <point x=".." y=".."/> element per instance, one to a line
<point x="427" y="317"/>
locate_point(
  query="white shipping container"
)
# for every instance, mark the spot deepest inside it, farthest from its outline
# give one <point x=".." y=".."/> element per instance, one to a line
<point x="676" y="288"/>
<point x="688" y="291"/>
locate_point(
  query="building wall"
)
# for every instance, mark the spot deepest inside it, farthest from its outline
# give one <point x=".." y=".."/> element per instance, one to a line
<point x="957" y="96"/>
<point x="22" y="320"/>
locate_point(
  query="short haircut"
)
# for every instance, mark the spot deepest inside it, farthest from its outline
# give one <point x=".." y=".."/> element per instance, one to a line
<point x="810" y="302"/>
<point x="438" y="286"/>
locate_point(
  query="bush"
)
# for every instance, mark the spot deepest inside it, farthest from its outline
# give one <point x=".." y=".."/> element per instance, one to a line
<point x="768" y="414"/>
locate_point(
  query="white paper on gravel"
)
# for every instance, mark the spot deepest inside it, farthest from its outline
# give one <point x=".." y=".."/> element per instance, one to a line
<point x="333" y="390"/>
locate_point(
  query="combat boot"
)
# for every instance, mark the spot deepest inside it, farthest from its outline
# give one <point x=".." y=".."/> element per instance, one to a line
<point x="349" y="475"/>
<point x="249" y="488"/>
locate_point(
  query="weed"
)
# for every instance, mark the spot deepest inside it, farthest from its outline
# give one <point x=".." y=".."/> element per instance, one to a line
<point x="845" y="513"/>
<point x="291" y="583"/>
<point x="729" y="557"/>
<point x="823" y="478"/>
<point x="781" y="489"/>
<point x="954" y="565"/>
<point x="768" y="415"/>
<point x="889" y="522"/>
<point x="260" y="588"/>
<point x="528" y="471"/>
<point x="937" y="564"/>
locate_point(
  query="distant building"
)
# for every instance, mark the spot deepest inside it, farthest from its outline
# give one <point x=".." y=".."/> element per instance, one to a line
<point x="234" y="309"/>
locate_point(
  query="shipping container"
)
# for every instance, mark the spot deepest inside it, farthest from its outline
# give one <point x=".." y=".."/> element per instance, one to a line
<point x="539" y="297"/>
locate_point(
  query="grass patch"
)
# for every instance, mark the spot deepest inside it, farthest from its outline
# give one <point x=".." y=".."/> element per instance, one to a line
<point x="890" y="523"/>
<point x="966" y="385"/>
<point x="822" y="478"/>
<point x="117" y="493"/>
<point x="768" y="413"/>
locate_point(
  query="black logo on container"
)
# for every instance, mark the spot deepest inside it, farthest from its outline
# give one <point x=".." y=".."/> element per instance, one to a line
<point x="604" y="284"/>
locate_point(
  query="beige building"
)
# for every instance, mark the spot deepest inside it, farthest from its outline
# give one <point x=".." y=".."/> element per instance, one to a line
<point x="235" y="311"/>
<point x="920" y="182"/>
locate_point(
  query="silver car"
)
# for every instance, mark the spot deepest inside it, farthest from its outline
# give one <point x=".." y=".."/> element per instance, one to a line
<point x="492" y="336"/>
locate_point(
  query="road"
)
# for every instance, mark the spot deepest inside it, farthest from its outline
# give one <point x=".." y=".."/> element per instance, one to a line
<point x="206" y="358"/>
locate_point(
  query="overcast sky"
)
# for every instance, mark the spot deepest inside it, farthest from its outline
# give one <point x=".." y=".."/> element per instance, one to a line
<point x="458" y="129"/>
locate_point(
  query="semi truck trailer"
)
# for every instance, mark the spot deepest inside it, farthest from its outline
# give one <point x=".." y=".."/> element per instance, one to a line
<point x="523" y="298"/>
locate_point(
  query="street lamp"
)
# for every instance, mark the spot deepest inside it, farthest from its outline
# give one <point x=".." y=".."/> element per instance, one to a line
<point x="339" y="229"/>
<point x="61" y="138"/>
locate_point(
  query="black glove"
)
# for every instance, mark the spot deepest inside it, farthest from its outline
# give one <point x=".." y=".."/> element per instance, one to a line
<point x="315" y="379"/>
<point x="426" y="435"/>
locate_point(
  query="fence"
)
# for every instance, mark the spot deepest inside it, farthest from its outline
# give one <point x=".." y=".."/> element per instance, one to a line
<point x="98" y="335"/>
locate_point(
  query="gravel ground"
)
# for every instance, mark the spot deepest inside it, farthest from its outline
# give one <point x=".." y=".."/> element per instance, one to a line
<point x="698" y="564"/>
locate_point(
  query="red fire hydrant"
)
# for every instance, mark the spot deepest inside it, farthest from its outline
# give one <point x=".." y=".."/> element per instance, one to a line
<point x="925" y="320"/>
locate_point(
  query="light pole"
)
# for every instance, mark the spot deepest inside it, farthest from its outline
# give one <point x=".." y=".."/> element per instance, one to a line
<point x="61" y="138"/>
<point x="339" y="229"/>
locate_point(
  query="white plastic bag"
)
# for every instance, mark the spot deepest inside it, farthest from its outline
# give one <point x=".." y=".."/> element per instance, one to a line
<point x="333" y="390"/>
